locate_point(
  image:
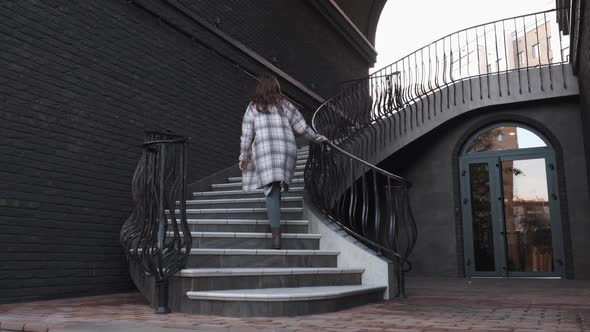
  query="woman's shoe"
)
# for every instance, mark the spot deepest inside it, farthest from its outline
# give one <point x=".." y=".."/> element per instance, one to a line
<point x="276" y="237"/>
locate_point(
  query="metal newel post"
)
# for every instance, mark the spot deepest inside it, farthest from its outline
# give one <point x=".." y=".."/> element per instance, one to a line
<point x="162" y="297"/>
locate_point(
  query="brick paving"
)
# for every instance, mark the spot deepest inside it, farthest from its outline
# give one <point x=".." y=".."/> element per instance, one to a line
<point x="432" y="305"/>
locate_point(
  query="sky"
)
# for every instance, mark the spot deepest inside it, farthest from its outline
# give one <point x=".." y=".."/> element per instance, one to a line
<point x="405" y="26"/>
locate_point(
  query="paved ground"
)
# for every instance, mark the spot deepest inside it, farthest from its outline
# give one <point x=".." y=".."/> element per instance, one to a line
<point x="432" y="305"/>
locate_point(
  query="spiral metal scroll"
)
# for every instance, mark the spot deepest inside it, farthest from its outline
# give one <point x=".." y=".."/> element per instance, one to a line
<point x="156" y="237"/>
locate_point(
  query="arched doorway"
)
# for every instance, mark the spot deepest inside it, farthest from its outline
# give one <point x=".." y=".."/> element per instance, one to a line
<point x="510" y="204"/>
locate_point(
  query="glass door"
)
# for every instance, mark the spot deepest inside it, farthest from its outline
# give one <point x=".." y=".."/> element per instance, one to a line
<point x="530" y="220"/>
<point x="510" y="216"/>
<point x="482" y="232"/>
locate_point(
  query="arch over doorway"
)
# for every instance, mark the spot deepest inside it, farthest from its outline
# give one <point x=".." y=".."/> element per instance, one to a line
<point x="510" y="203"/>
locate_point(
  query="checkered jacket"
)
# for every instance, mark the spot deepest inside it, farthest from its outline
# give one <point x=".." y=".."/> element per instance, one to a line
<point x="268" y="144"/>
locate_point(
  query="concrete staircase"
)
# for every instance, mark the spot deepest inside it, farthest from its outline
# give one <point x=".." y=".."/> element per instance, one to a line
<point x="232" y="271"/>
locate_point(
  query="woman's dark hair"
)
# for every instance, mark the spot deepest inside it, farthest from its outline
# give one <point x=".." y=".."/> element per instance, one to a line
<point x="268" y="93"/>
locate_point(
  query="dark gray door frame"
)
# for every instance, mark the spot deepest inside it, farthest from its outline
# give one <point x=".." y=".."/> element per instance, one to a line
<point x="493" y="160"/>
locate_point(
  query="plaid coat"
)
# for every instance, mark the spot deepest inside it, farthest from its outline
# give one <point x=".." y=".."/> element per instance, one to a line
<point x="268" y="144"/>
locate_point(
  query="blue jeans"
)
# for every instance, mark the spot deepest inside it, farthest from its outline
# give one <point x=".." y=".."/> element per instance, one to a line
<point x="273" y="205"/>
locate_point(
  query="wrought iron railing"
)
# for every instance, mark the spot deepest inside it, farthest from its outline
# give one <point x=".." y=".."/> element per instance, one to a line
<point x="471" y="60"/>
<point x="367" y="202"/>
<point x="156" y="237"/>
<point x="372" y="204"/>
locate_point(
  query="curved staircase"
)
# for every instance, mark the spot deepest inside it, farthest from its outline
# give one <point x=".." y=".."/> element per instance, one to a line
<point x="232" y="271"/>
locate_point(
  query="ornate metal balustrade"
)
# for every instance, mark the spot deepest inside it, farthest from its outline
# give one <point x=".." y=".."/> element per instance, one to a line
<point x="474" y="61"/>
<point x="156" y="237"/>
<point x="372" y="204"/>
<point x="369" y="203"/>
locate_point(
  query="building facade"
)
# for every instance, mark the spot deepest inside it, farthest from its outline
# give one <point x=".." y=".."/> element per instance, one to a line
<point x="490" y="124"/>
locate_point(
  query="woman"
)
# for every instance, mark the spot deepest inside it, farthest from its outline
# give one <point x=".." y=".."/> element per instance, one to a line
<point x="268" y="151"/>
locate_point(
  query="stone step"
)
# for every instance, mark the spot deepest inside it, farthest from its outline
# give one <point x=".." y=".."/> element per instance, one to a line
<point x="245" y="225"/>
<point x="243" y="240"/>
<point x="234" y="258"/>
<point x="254" y="278"/>
<point x="293" y="192"/>
<point x="287" y="213"/>
<point x="296" y="175"/>
<point x="251" y="202"/>
<point x="238" y="185"/>
<point x="293" y="301"/>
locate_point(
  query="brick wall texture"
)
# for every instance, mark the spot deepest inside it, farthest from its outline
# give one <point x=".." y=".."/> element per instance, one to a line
<point x="80" y="81"/>
<point x="584" y="76"/>
<point x="290" y="33"/>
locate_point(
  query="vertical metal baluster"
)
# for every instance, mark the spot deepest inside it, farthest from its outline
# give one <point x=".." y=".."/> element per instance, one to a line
<point x="410" y="105"/>
<point x="468" y="71"/>
<point x="518" y="64"/>
<point x="436" y="82"/>
<point x="383" y="96"/>
<point x="389" y="90"/>
<point x="400" y="96"/>
<point x="539" y="55"/>
<point x="451" y="72"/>
<point x="497" y="60"/>
<point x="365" y="210"/>
<point x="414" y="105"/>
<point x="548" y="51"/>
<point x="430" y="80"/>
<point x="351" y="210"/>
<point x="422" y="83"/>
<point x="485" y="41"/>
<point x="526" y="53"/>
<point x="417" y="86"/>
<point x="461" y="69"/>
<point x="561" y="55"/>
<point x="506" y="56"/>
<point x="377" y="205"/>
<point x="444" y="72"/>
<point x="405" y="98"/>
<point x="478" y="63"/>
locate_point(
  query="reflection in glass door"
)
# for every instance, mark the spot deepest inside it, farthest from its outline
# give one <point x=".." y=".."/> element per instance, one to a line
<point x="481" y="215"/>
<point x="526" y="215"/>
<point x="508" y="210"/>
<point x="510" y="206"/>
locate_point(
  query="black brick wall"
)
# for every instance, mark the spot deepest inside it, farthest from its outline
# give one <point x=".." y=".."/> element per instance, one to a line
<point x="583" y="72"/>
<point x="79" y="83"/>
<point x="290" y="33"/>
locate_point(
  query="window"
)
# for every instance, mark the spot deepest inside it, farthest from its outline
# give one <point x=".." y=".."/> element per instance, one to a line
<point x="536" y="51"/>
<point x="521" y="59"/>
<point x="489" y="69"/>
<point x="505" y="138"/>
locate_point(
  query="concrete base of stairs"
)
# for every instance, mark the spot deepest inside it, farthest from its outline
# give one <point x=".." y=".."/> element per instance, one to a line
<point x="284" y="301"/>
